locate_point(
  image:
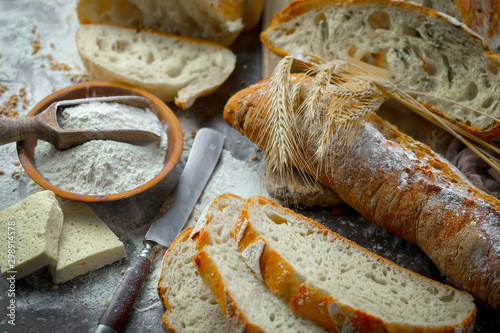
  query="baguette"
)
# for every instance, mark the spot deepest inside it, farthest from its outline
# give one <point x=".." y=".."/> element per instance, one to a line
<point x="401" y="185"/>
<point x="189" y="304"/>
<point x="423" y="50"/>
<point x="171" y="67"/>
<point x="241" y="295"/>
<point x="340" y="285"/>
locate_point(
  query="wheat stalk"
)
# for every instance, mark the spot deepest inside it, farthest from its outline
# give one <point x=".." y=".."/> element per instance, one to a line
<point x="279" y="137"/>
<point x="340" y="99"/>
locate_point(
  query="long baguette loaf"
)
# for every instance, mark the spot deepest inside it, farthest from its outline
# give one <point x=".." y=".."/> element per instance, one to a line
<point x="242" y="297"/>
<point x="423" y="50"/>
<point x="340" y="285"/>
<point x="403" y="186"/>
<point x="171" y="67"/>
<point x="189" y="304"/>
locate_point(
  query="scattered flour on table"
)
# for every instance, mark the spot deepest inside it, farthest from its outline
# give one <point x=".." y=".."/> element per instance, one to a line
<point x="100" y="167"/>
<point x="231" y="176"/>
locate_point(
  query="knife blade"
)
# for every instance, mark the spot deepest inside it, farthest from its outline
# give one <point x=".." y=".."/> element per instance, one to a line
<point x="205" y="153"/>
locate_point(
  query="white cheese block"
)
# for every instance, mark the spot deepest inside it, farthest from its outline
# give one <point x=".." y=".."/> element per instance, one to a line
<point x="29" y="234"/>
<point x="86" y="243"/>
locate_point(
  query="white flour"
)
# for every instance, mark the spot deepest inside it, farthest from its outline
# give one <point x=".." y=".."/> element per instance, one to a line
<point x="102" y="167"/>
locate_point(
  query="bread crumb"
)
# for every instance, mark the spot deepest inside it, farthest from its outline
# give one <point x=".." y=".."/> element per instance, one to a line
<point x="242" y="83"/>
<point x="36" y="46"/>
<point x="79" y="78"/>
<point x="54" y="288"/>
<point x="56" y="66"/>
<point x="16" y="174"/>
<point x="17" y="163"/>
<point x="8" y="107"/>
<point x="193" y="134"/>
<point x="52" y="45"/>
<point x="33" y="29"/>
<point x="254" y="158"/>
<point x="2" y="172"/>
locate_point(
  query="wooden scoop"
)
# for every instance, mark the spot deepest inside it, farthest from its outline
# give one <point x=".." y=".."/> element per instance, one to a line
<point x="44" y="125"/>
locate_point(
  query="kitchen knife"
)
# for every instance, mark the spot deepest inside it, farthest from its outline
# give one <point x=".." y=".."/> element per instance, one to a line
<point x="205" y="153"/>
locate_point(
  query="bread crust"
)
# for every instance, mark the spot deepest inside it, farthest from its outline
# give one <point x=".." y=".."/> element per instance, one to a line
<point x="314" y="304"/>
<point x="401" y="185"/>
<point x="211" y="20"/>
<point x="474" y="17"/>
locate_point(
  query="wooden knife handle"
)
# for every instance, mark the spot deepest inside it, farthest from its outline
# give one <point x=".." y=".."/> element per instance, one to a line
<point x="120" y="304"/>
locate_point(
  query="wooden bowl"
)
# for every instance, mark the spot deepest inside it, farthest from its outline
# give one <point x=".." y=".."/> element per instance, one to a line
<point x="26" y="148"/>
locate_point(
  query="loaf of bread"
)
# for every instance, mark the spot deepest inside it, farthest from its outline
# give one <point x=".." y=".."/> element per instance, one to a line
<point x="218" y="21"/>
<point x="424" y="51"/>
<point x="399" y="184"/>
<point x="241" y="295"/>
<point x="30" y="234"/>
<point x="171" y="67"/>
<point x="189" y="304"/>
<point x="340" y="285"/>
<point x="86" y="243"/>
<point x="480" y="16"/>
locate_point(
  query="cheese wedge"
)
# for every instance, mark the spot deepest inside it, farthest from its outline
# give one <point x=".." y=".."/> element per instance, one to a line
<point x="86" y="243"/>
<point x="29" y="234"/>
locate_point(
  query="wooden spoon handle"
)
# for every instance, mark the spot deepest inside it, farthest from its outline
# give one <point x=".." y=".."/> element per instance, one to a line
<point x="17" y="129"/>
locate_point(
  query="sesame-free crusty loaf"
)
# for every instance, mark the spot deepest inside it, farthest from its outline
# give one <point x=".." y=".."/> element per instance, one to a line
<point x="401" y="185"/>
<point x="340" y="285"/>
<point x="480" y="16"/>
<point x="424" y="51"/>
<point x="171" y="67"/>
<point x="189" y="304"/>
<point x="247" y="302"/>
<point x="218" y="21"/>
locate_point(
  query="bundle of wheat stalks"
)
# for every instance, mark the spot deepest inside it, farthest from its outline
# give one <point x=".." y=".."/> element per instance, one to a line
<point x="344" y="94"/>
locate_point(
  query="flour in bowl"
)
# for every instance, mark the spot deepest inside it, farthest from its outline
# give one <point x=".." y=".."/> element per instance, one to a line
<point x="101" y="167"/>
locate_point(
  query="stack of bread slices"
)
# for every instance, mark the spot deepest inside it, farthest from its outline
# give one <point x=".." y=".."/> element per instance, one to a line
<point x="254" y="266"/>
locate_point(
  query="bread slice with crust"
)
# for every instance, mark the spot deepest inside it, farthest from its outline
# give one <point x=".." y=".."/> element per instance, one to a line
<point x="340" y="285"/>
<point x="171" y="67"/>
<point x="247" y="302"/>
<point x="425" y="51"/>
<point x="220" y="21"/>
<point x="189" y="304"/>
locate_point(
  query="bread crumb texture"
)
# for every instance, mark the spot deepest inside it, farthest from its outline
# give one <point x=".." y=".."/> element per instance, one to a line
<point x="171" y="67"/>
<point x="85" y="244"/>
<point x="33" y="226"/>
<point x="190" y="305"/>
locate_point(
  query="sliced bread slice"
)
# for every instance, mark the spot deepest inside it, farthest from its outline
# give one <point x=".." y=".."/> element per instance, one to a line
<point x="30" y="234"/>
<point x="247" y="302"/>
<point x="424" y="51"/>
<point x="218" y="21"/>
<point x="86" y="243"/>
<point x="339" y="284"/>
<point x="189" y="304"/>
<point x="171" y="67"/>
